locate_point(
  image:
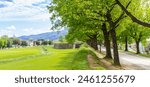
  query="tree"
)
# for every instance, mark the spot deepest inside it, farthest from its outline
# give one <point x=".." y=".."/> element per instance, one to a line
<point x="10" y="42"/>
<point x="61" y="39"/>
<point x="3" y="41"/>
<point x="95" y="14"/>
<point x="24" y="43"/>
<point x="49" y="42"/>
<point x="44" y="42"/>
<point x="75" y="18"/>
<point x="124" y="38"/>
<point x="87" y="19"/>
<point x="138" y="33"/>
<point x="141" y="11"/>
<point x="106" y="34"/>
<point x="37" y="43"/>
<point x="16" y="42"/>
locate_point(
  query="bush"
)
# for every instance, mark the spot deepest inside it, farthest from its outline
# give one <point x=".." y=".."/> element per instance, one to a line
<point x="50" y="42"/>
<point x="37" y="43"/>
<point x="24" y="43"/>
<point x="45" y="42"/>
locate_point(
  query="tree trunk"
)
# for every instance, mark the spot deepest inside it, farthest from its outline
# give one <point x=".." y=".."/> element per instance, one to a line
<point x="88" y="42"/>
<point x="106" y="42"/>
<point x="137" y="47"/>
<point x="115" y="48"/>
<point x="126" y="43"/>
<point x="93" y="42"/>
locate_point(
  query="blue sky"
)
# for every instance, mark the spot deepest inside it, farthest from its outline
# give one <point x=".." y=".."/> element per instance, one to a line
<point x="24" y="17"/>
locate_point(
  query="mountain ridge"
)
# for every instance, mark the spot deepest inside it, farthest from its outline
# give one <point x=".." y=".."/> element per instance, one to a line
<point x="47" y="36"/>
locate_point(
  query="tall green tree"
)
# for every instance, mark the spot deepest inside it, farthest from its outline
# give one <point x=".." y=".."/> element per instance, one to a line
<point x="89" y="18"/>
<point x="77" y="15"/>
<point x="125" y="39"/>
<point x="3" y="41"/>
<point x="83" y="18"/>
<point x="138" y="33"/>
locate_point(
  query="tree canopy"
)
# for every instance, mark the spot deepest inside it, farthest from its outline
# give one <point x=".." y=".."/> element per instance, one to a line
<point x="93" y="20"/>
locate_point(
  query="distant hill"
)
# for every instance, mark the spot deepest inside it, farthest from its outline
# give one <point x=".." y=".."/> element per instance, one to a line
<point x="47" y="36"/>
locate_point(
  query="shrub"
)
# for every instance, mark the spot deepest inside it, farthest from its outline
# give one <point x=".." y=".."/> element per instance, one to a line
<point x="24" y="43"/>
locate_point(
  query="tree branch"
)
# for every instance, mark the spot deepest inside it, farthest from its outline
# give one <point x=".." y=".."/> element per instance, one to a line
<point x="122" y="15"/>
<point x="112" y="7"/>
<point x="133" y="18"/>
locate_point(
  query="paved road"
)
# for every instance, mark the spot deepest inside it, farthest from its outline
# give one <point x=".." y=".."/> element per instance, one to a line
<point x="133" y="61"/>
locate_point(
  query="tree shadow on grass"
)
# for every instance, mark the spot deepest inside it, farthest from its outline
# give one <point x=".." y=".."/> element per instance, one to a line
<point x="74" y="61"/>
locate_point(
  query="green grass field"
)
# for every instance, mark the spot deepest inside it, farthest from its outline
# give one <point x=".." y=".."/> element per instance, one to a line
<point x="43" y="58"/>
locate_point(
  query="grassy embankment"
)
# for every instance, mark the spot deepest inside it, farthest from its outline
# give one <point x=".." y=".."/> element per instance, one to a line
<point x="44" y="58"/>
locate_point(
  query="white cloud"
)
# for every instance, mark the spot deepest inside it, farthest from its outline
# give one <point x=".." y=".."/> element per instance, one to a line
<point x="6" y="3"/>
<point x="24" y="10"/>
<point x="28" y="1"/>
<point x="42" y="17"/>
<point x="31" y="31"/>
<point x="12" y="27"/>
<point x="10" y="31"/>
<point x="28" y="30"/>
<point x="4" y="32"/>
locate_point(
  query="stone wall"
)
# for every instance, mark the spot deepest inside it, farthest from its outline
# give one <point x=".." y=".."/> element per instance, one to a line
<point x="78" y="45"/>
<point x="63" y="46"/>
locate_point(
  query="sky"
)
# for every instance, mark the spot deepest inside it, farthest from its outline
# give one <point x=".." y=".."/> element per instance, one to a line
<point x="24" y="17"/>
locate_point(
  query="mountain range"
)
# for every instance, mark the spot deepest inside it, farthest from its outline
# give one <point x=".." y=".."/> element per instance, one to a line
<point x="47" y="36"/>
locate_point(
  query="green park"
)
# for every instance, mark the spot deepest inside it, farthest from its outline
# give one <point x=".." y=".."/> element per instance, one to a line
<point x="76" y="35"/>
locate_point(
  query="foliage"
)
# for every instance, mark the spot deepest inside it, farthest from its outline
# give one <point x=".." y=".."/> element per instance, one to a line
<point x="85" y="20"/>
<point x="16" y="41"/>
<point x="37" y="43"/>
<point x="50" y="42"/>
<point x="138" y="32"/>
<point x="61" y="39"/>
<point x="45" y="43"/>
<point x="73" y="14"/>
<point x="24" y="43"/>
<point x="121" y="37"/>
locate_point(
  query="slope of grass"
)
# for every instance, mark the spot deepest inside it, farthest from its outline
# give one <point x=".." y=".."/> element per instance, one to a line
<point x="145" y="55"/>
<point x="80" y="60"/>
<point x="44" y="58"/>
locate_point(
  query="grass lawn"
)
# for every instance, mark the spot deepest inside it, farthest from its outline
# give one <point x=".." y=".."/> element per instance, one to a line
<point x="43" y="58"/>
<point x="144" y="55"/>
